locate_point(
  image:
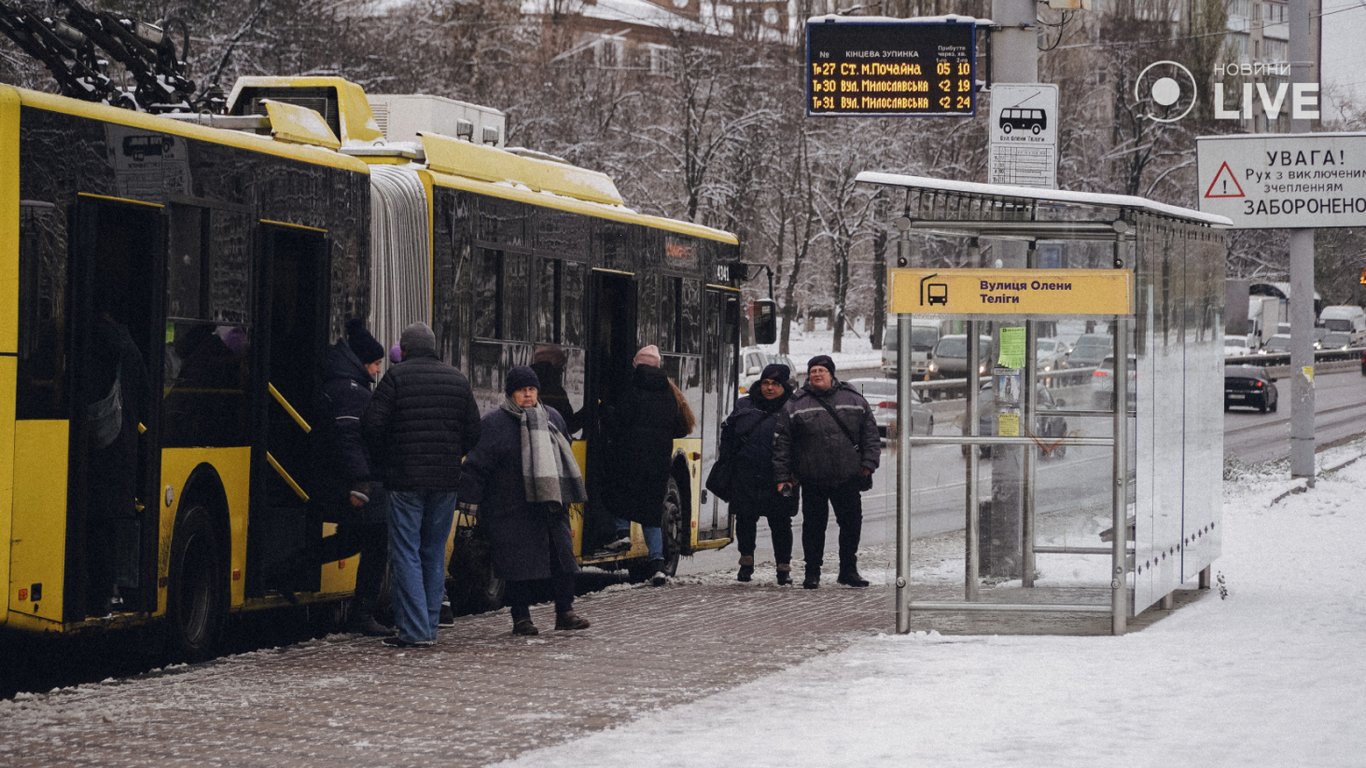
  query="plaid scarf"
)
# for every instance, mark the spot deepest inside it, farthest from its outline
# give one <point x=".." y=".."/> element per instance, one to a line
<point x="549" y="472"/>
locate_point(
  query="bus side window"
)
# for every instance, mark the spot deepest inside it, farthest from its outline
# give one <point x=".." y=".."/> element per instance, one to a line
<point x="208" y="328"/>
<point x="690" y="312"/>
<point x="42" y="307"/>
<point x="516" y="298"/>
<point x="670" y="317"/>
<point x="487" y="285"/>
<point x="548" y="325"/>
<point x="572" y="305"/>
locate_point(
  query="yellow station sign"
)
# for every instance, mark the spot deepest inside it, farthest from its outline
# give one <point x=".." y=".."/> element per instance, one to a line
<point x="1011" y="291"/>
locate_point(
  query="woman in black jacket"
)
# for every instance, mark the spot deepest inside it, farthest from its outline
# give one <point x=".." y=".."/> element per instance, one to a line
<point x="520" y="480"/>
<point x="747" y="439"/>
<point x="641" y="429"/>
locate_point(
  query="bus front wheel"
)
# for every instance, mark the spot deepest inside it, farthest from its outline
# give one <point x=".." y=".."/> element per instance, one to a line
<point x="197" y="601"/>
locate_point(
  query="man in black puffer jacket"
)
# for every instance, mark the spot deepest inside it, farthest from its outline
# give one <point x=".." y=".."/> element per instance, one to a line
<point x="419" y="425"/>
<point x="346" y="478"/>
<point x="827" y="441"/>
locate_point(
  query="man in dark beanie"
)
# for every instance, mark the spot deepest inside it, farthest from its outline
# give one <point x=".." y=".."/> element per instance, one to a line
<point x="367" y="349"/>
<point x="822" y="361"/>
<point x="747" y="442"/>
<point x="351" y="490"/>
<point x="776" y="372"/>
<point x="421" y="423"/>
<point x="827" y="442"/>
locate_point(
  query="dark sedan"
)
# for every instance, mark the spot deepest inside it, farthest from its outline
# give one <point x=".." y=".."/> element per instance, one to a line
<point x="1249" y="386"/>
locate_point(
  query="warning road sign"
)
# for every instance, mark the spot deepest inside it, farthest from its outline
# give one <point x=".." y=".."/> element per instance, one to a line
<point x="1289" y="181"/>
<point x="1225" y="184"/>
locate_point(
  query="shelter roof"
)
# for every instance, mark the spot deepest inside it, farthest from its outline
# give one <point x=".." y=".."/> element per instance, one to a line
<point x="1014" y="207"/>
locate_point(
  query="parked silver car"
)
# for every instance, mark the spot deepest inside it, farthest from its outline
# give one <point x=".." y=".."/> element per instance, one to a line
<point x="881" y="397"/>
<point x="1049" y="355"/>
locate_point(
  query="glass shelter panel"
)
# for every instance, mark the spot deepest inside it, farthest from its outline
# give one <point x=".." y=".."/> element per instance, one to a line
<point x="1179" y="434"/>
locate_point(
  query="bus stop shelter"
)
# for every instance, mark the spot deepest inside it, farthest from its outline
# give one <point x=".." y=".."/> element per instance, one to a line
<point x="1100" y="482"/>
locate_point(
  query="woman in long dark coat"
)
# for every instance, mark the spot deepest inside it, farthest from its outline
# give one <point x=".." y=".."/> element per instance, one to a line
<point x="747" y="436"/>
<point x="520" y="479"/>
<point x="642" y="427"/>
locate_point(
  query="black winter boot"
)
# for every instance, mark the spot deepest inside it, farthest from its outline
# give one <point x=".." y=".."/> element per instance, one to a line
<point x="366" y="625"/>
<point x="784" y="574"/>
<point x="570" y="620"/>
<point x="363" y="620"/>
<point x="812" y="580"/>
<point x="849" y="576"/>
<point x="746" y="568"/>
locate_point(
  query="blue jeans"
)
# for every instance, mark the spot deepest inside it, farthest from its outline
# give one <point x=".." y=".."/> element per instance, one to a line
<point x="419" y="524"/>
<point x="654" y="537"/>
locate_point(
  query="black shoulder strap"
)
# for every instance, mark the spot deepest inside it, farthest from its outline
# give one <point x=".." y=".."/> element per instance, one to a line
<point x="838" y="423"/>
<point x="743" y="436"/>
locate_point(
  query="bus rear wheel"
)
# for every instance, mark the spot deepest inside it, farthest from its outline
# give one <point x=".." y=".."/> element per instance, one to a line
<point x="673" y="526"/>
<point x="197" y="597"/>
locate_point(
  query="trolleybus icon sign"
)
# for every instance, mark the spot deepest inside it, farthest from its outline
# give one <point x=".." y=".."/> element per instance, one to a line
<point x="933" y="293"/>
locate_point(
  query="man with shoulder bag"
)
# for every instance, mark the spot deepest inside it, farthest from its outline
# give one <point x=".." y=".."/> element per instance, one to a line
<point x="827" y="442"/>
<point x="747" y="448"/>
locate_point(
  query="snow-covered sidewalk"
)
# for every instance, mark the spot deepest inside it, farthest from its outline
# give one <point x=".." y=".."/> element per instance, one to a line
<point x="1268" y="674"/>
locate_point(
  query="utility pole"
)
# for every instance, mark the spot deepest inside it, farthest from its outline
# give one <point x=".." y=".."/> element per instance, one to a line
<point x="1014" y="42"/>
<point x="1302" y="70"/>
<point x="1015" y="59"/>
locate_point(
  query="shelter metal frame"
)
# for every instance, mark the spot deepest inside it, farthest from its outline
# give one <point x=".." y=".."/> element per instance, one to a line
<point x="970" y="210"/>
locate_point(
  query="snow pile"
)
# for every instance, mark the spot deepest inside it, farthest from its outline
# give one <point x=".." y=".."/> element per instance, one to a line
<point x="1262" y="670"/>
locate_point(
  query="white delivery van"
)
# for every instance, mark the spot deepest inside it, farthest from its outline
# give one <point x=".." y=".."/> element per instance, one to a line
<point x="1345" y="317"/>
<point x="924" y="335"/>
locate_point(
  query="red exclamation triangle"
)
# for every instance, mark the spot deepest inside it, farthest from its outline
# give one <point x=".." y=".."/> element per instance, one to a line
<point x="1229" y="186"/>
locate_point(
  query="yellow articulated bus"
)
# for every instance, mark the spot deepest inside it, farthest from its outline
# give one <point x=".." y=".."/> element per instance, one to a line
<point x="231" y="250"/>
